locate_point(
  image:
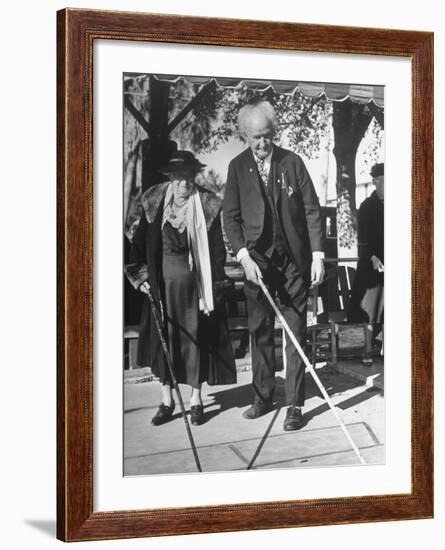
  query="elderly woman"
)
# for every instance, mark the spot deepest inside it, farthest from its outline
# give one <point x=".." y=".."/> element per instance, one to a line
<point x="178" y="251"/>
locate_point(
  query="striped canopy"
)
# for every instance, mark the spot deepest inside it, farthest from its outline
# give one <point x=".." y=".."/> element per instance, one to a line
<point x="358" y="93"/>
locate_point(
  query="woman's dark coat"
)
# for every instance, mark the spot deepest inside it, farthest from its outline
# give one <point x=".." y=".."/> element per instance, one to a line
<point x="146" y="265"/>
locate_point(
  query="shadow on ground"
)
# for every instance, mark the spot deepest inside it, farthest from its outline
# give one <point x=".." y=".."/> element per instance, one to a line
<point x="334" y="383"/>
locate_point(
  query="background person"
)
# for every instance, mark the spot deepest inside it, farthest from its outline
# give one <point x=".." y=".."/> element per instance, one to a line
<point x="367" y="292"/>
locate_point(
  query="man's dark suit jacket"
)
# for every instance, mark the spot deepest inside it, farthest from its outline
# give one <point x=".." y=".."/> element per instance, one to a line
<point x="296" y="203"/>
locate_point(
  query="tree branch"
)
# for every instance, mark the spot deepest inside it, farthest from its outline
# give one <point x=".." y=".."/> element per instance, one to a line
<point x="137" y="115"/>
<point x="180" y="117"/>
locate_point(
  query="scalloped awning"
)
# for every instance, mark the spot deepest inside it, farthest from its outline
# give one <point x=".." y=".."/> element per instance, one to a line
<point x="337" y="92"/>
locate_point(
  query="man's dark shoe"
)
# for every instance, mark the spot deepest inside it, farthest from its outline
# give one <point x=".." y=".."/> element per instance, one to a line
<point x="293" y="420"/>
<point x="259" y="408"/>
<point x="196" y="415"/>
<point x="163" y="415"/>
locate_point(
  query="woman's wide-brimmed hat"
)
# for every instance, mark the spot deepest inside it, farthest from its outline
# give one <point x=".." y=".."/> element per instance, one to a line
<point x="377" y="170"/>
<point x="180" y="162"/>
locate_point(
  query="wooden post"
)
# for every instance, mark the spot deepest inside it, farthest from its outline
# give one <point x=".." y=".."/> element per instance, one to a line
<point x="156" y="149"/>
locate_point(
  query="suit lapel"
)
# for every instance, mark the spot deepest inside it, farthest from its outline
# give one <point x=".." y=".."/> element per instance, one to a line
<point x="275" y="175"/>
<point x="252" y="169"/>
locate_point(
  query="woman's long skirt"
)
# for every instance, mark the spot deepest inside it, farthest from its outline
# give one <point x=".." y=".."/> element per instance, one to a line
<point x="182" y="314"/>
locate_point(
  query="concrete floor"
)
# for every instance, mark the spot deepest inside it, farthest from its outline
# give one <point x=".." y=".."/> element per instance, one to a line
<point x="226" y="441"/>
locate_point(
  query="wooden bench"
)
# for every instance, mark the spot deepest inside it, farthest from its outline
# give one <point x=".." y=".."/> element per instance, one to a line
<point x="335" y="293"/>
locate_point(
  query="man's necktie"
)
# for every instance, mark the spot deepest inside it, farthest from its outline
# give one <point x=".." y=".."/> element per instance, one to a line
<point x="263" y="172"/>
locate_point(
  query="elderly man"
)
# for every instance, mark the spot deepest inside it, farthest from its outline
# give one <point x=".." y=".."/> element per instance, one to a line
<point x="272" y="219"/>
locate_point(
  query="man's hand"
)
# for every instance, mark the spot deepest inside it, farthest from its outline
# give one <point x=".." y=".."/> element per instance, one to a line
<point x="317" y="271"/>
<point x="251" y="269"/>
<point x="145" y="287"/>
<point x="376" y="263"/>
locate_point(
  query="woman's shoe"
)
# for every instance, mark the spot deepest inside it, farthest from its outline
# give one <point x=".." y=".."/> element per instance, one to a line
<point x="163" y="415"/>
<point x="196" y="415"/>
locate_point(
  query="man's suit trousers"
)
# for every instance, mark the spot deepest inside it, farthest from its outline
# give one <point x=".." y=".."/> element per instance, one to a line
<point x="283" y="280"/>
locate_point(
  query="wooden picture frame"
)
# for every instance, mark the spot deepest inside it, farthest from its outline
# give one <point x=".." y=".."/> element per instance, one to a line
<point x="77" y="31"/>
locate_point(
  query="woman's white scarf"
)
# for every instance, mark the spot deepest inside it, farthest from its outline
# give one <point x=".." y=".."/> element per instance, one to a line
<point x="174" y="214"/>
<point x="199" y="255"/>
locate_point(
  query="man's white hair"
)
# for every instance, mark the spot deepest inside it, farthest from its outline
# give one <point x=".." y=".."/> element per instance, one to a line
<point x="246" y="112"/>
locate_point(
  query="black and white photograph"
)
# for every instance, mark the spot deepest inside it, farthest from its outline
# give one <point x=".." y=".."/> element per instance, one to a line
<point x="253" y="280"/>
<point x="226" y="330"/>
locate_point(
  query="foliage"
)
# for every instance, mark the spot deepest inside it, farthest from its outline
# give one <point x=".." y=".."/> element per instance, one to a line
<point x="371" y="154"/>
<point x="301" y="120"/>
<point x="133" y="132"/>
<point x="346" y="224"/>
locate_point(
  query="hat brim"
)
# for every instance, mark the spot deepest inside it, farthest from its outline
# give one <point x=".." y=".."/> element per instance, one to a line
<point x="182" y="169"/>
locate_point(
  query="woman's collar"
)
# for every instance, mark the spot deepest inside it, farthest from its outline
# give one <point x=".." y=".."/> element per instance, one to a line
<point x="152" y="198"/>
